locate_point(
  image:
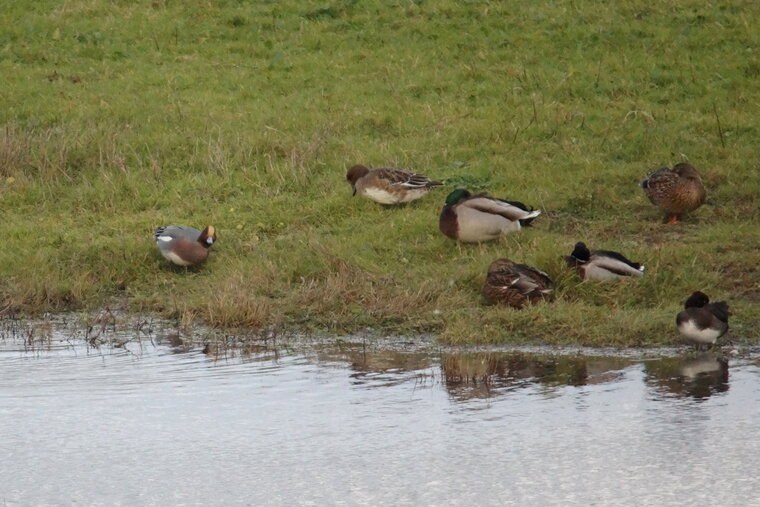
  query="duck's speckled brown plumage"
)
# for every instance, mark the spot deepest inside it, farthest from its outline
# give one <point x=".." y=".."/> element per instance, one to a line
<point x="389" y="185"/>
<point x="676" y="191"/>
<point x="516" y="284"/>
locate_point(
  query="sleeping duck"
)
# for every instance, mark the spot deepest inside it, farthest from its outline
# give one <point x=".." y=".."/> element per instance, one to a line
<point x="601" y="264"/>
<point x="676" y="191"/>
<point x="477" y="218"/>
<point x="516" y="284"/>
<point x="701" y="322"/>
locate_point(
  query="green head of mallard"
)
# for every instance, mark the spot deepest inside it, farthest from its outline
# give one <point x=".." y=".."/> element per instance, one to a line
<point x="456" y="196"/>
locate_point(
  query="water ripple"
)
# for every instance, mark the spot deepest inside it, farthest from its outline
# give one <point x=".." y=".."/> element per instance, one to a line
<point x="332" y="425"/>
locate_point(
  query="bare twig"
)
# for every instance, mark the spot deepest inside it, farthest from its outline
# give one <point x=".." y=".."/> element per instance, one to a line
<point x="720" y="130"/>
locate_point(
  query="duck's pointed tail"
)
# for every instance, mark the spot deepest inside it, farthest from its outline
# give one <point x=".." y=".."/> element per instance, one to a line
<point x="525" y="222"/>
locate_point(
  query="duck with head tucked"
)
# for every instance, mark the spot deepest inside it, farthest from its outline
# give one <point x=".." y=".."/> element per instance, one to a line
<point x="701" y="323"/>
<point x="389" y="185"/>
<point x="184" y="246"/>
<point x="516" y="285"/>
<point x="476" y="218"/>
<point x="601" y="265"/>
<point x="676" y="191"/>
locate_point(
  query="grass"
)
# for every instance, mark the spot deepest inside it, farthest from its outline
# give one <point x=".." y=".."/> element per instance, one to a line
<point x="119" y="117"/>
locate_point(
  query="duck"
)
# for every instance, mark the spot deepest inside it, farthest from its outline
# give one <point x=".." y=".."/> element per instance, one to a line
<point x="701" y="323"/>
<point x="184" y="246"/>
<point x="389" y="185"/>
<point x="601" y="265"/>
<point x="477" y="218"/>
<point x="675" y="191"/>
<point x="516" y="285"/>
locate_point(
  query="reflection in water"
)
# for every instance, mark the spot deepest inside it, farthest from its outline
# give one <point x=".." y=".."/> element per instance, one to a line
<point x="472" y="375"/>
<point x="697" y="377"/>
<point x="174" y="342"/>
<point x="336" y="423"/>
<point x="384" y="366"/>
<point x="482" y="375"/>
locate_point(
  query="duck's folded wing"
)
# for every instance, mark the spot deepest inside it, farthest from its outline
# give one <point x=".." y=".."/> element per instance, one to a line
<point x="661" y="178"/>
<point x="616" y="266"/>
<point x="502" y="279"/>
<point x="720" y="310"/>
<point x="620" y="257"/>
<point x="533" y="278"/>
<point x="420" y="181"/>
<point x="170" y="232"/>
<point x="406" y="179"/>
<point x="497" y="207"/>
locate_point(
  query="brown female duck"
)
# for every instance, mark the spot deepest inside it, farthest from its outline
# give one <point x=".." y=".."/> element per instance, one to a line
<point x="389" y="185"/>
<point x="676" y="191"/>
<point x="516" y="284"/>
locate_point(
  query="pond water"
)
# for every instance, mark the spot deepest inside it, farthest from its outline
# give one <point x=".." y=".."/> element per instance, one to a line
<point x="147" y="418"/>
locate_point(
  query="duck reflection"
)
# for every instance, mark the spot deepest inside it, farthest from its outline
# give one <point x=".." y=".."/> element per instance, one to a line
<point x="226" y="350"/>
<point x="378" y="366"/>
<point x="174" y="341"/>
<point x="690" y="376"/>
<point x="483" y="375"/>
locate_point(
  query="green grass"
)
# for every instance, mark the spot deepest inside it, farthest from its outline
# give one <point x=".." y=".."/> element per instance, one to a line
<point x="122" y="116"/>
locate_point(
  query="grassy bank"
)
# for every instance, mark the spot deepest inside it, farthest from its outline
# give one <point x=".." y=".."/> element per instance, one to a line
<point x="122" y="116"/>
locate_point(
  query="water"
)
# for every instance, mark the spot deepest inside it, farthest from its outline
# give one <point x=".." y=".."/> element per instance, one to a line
<point x="146" y="418"/>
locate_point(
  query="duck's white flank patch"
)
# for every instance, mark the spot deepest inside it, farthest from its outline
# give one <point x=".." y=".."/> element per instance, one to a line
<point x="693" y="368"/>
<point x="176" y="259"/>
<point x="414" y="194"/>
<point x="380" y="196"/>
<point x="594" y="272"/>
<point x="164" y="238"/>
<point x="693" y="333"/>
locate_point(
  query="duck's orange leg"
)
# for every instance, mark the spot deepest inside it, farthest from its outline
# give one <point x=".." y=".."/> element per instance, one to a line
<point x="673" y="220"/>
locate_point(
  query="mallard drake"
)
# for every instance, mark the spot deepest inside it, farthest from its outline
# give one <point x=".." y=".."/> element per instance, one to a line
<point x="676" y="191"/>
<point x="184" y="246"/>
<point x="516" y="284"/>
<point x="701" y="322"/>
<point x="601" y="264"/>
<point x="388" y="185"/>
<point x="477" y="218"/>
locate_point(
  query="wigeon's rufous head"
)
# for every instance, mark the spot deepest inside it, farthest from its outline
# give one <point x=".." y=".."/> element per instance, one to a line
<point x="208" y="236"/>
